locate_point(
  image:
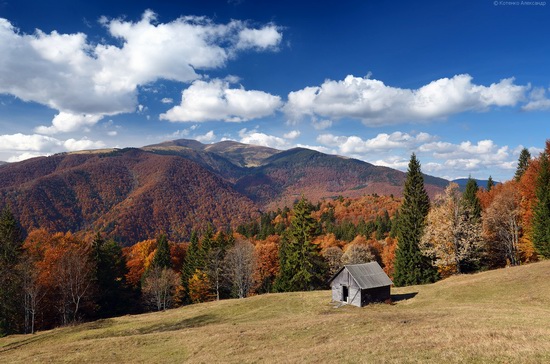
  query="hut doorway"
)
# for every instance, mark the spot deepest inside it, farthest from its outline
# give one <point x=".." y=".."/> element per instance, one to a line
<point x="345" y="293"/>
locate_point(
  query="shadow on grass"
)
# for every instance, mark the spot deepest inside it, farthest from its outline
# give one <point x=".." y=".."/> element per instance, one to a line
<point x="403" y="296"/>
<point x="197" y="321"/>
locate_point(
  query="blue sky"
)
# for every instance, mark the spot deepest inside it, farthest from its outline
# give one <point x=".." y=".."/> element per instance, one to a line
<point x="463" y="84"/>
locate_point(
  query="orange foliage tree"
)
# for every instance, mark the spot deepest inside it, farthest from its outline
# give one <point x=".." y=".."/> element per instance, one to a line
<point x="138" y="259"/>
<point x="267" y="263"/>
<point x="65" y="268"/>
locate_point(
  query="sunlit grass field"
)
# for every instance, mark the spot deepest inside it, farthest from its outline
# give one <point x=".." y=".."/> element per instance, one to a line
<point x="501" y="316"/>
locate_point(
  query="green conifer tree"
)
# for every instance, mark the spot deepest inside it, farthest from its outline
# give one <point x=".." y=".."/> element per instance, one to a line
<point x="190" y="264"/>
<point x="10" y="288"/>
<point x="113" y="294"/>
<point x="301" y="265"/>
<point x="411" y="267"/>
<point x="541" y="211"/>
<point x="470" y="199"/>
<point x="523" y="163"/>
<point x="490" y="183"/>
<point x="162" y="257"/>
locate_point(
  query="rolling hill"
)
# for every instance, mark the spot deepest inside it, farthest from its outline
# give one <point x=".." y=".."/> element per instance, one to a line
<point x="128" y="194"/>
<point x="133" y="194"/>
<point x="500" y="316"/>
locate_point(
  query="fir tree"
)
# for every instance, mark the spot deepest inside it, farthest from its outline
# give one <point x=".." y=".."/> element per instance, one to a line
<point x="470" y="199"/>
<point x="10" y="290"/>
<point x="411" y="267"/>
<point x="301" y="265"/>
<point x="523" y="163"/>
<point x="113" y="294"/>
<point x="190" y="264"/>
<point x="162" y="257"/>
<point x="541" y="216"/>
<point x="490" y="183"/>
<point x="394" y="224"/>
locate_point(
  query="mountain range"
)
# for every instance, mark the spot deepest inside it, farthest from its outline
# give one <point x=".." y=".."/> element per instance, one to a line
<point x="135" y="193"/>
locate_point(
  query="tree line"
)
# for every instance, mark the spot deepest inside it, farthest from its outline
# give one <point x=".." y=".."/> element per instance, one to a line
<point x="500" y="225"/>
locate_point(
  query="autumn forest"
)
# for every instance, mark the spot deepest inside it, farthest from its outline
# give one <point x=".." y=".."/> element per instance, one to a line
<point x="51" y="278"/>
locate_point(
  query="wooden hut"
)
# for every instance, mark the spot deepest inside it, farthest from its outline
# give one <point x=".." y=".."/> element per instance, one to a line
<point x="360" y="284"/>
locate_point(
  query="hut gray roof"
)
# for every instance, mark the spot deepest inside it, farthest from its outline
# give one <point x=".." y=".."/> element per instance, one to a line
<point x="367" y="275"/>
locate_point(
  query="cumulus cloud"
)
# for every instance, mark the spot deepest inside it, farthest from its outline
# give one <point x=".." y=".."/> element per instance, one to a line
<point x="22" y="142"/>
<point x="395" y="162"/>
<point x="292" y="134"/>
<point x="375" y="103"/>
<point x="257" y="138"/>
<point x="216" y="100"/>
<point x="85" y="81"/>
<point x="67" y="122"/>
<point x="268" y="37"/>
<point x="206" y="138"/>
<point x="538" y="101"/>
<point x="354" y="145"/>
<point x="321" y="124"/>
<point x="438" y="157"/>
<point x="23" y="146"/>
<point x="82" y="144"/>
<point x="167" y="100"/>
<point x="24" y="156"/>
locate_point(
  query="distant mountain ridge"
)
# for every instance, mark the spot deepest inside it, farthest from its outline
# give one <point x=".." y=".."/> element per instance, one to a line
<point x="135" y="193"/>
<point x="461" y="182"/>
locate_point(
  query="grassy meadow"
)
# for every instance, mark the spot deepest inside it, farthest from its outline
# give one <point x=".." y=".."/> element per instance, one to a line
<point x="500" y="316"/>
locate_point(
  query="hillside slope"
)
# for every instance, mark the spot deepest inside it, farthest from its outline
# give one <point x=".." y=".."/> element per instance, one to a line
<point x="128" y="194"/>
<point x="500" y="316"/>
<point x="274" y="178"/>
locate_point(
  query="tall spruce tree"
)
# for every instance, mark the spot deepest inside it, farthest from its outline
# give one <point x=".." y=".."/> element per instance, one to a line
<point x="162" y="257"/>
<point x="470" y="199"/>
<point x="301" y="265"/>
<point x="523" y="163"/>
<point x="10" y="282"/>
<point x="191" y="262"/>
<point x="411" y="266"/>
<point x="113" y="294"/>
<point x="490" y="183"/>
<point x="541" y="211"/>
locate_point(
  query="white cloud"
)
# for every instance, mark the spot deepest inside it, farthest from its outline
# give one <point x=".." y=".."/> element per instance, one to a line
<point x="321" y="124"/>
<point x="206" y="138"/>
<point x="257" y="138"/>
<point x="22" y="142"/>
<point x="292" y="134"/>
<point x="318" y="148"/>
<point x="24" y="156"/>
<point x="268" y="37"/>
<point x="538" y="101"/>
<point x="167" y="100"/>
<point x="375" y="103"/>
<point x="485" y="150"/>
<point x="215" y="100"/>
<point x="22" y="146"/>
<point x="82" y="144"/>
<point x="67" y="122"/>
<point x="354" y="145"/>
<point x="441" y="158"/>
<point x="85" y="81"/>
<point x="395" y="162"/>
<point x="112" y="133"/>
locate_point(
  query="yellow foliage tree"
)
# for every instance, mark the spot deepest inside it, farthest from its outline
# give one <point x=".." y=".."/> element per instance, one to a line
<point x="199" y="287"/>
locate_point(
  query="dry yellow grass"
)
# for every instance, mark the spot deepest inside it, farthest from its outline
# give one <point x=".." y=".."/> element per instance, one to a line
<point x="500" y="316"/>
